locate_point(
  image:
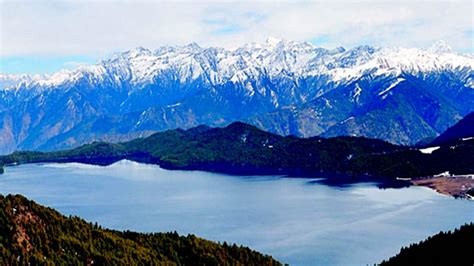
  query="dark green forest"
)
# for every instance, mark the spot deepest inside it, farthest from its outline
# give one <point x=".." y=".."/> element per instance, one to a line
<point x="243" y="149"/>
<point x="30" y="233"/>
<point x="445" y="248"/>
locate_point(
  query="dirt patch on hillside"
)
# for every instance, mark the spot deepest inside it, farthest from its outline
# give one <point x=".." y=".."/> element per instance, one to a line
<point x="23" y="216"/>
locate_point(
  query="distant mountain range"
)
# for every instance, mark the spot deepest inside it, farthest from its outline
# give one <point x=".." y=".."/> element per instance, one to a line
<point x="400" y="95"/>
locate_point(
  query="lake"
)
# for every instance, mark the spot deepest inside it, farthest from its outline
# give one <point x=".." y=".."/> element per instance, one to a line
<point x="296" y="220"/>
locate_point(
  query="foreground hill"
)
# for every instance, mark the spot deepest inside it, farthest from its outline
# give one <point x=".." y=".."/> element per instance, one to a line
<point x="451" y="248"/>
<point x="400" y="95"/>
<point x="31" y="233"/>
<point x="243" y="149"/>
<point x="462" y="129"/>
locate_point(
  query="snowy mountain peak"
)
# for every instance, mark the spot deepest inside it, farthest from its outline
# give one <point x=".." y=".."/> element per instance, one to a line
<point x="339" y="49"/>
<point x="136" y="52"/>
<point x="12" y="81"/>
<point x="193" y="46"/>
<point x="441" y="47"/>
<point x="274" y="58"/>
<point x="272" y="41"/>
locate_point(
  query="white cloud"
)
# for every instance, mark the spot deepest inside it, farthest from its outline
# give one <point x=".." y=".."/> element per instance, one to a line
<point x="98" y="28"/>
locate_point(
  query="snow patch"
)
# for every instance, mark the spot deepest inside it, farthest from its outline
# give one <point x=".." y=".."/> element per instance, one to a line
<point x="348" y="119"/>
<point x="173" y="105"/>
<point x="429" y="150"/>
<point x="327" y="102"/>
<point x="357" y="92"/>
<point x="443" y="174"/>
<point x="391" y="86"/>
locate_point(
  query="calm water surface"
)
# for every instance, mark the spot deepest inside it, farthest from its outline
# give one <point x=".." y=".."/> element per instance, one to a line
<point x="295" y="220"/>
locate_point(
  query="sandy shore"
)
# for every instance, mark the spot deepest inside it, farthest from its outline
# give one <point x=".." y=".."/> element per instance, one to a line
<point x="456" y="186"/>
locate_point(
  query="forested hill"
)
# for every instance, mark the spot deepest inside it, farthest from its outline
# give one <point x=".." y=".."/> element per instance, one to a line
<point x="451" y="248"/>
<point x="36" y="235"/>
<point x="462" y="129"/>
<point x="243" y="149"/>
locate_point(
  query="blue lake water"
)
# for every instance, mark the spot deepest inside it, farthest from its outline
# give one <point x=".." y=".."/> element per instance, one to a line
<point x="293" y="219"/>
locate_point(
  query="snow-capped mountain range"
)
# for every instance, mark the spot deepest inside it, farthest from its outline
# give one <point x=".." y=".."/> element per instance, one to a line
<point x="140" y="66"/>
<point x="402" y="95"/>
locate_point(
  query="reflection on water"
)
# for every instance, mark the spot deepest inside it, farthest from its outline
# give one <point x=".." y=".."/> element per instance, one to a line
<point x="294" y="219"/>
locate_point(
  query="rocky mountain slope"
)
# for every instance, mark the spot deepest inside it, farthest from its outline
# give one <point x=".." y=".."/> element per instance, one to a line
<point x="400" y="95"/>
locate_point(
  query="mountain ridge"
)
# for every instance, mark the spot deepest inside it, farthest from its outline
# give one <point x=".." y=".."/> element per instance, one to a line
<point x="284" y="87"/>
<point x="244" y="149"/>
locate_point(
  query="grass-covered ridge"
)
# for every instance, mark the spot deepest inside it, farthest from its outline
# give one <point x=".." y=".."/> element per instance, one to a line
<point x="444" y="248"/>
<point x="243" y="149"/>
<point x="33" y="234"/>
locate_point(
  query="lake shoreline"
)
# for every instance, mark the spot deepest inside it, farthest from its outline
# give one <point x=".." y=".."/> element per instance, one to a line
<point x="323" y="177"/>
<point x="455" y="186"/>
<point x="459" y="186"/>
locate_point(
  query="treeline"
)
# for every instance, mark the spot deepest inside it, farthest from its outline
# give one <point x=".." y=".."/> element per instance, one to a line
<point x="36" y="235"/>
<point x="445" y="248"/>
<point x="243" y="149"/>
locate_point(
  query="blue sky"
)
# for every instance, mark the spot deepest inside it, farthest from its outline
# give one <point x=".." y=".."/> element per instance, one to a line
<point x="44" y="36"/>
<point x="42" y="64"/>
